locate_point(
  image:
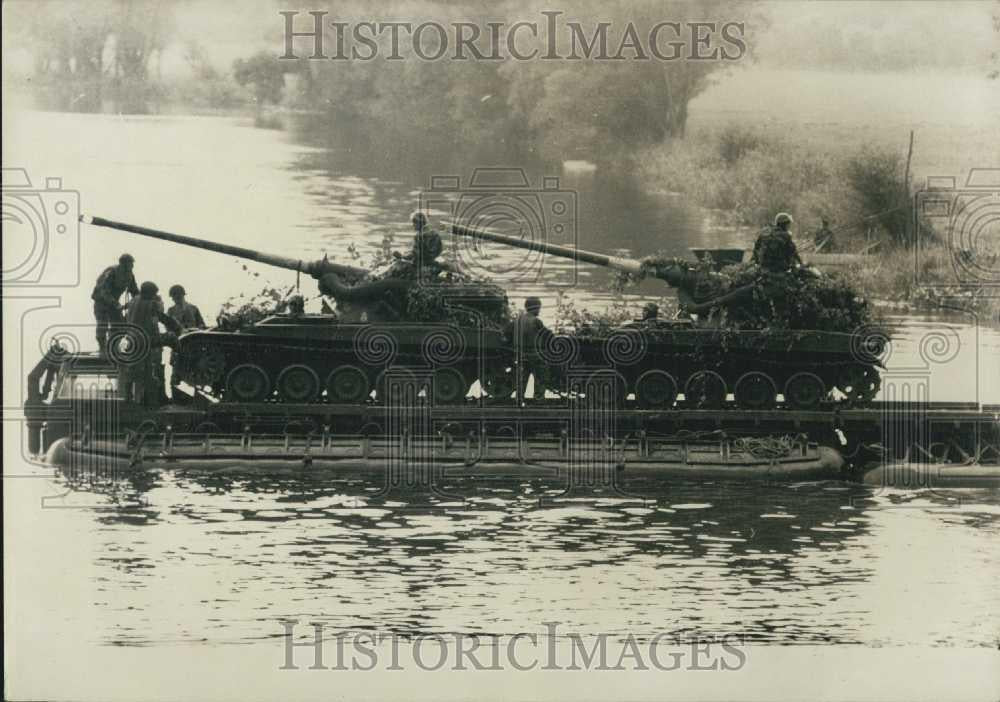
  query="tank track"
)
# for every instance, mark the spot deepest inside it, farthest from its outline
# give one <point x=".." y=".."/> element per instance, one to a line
<point x="232" y="371"/>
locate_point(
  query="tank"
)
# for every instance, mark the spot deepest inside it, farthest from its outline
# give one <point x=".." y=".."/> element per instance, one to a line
<point x="455" y="333"/>
<point x="451" y="335"/>
<point x="703" y="356"/>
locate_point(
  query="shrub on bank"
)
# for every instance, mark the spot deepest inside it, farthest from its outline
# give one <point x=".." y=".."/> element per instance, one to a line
<point x="747" y="176"/>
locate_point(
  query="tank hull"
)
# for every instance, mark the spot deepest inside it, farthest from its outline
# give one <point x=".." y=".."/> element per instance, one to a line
<point x="317" y="360"/>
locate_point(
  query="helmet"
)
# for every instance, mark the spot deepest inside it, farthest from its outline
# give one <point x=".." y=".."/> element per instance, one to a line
<point x="176" y="290"/>
<point x="148" y="290"/>
<point x="418" y="219"/>
<point x="783" y="218"/>
<point x="532" y="303"/>
<point x="126" y="258"/>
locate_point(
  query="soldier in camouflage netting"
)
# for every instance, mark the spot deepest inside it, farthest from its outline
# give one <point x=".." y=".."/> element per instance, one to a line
<point x="416" y="287"/>
<point x="774" y="249"/>
<point x="773" y="291"/>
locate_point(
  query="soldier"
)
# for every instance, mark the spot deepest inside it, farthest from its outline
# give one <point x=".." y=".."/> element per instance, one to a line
<point x="823" y="238"/>
<point x="296" y="306"/>
<point x="529" y="334"/>
<point x="111" y="283"/>
<point x="144" y="378"/>
<point x="44" y="373"/>
<point x="385" y="299"/>
<point x="427" y="247"/>
<point x="774" y="249"/>
<point x="186" y="314"/>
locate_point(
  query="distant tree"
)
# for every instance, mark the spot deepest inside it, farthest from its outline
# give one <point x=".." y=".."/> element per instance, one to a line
<point x="83" y="58"/>
<point x="597" y="108"/>
<point x="264" y="73"/>
<point x="995" y="54"/>
<point x="141" y="30"/>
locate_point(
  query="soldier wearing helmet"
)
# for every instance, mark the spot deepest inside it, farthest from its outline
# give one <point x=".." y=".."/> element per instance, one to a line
<point x="530" y="335"/>
<point x="111" y="284"/>
<point x="385" y="298"/>
<point x="188" y="317"/>
<point x="774" y="249"/>
<point x="427" y="243"/>
<point x="143" y="376"/>
<point x="186" y="314"/>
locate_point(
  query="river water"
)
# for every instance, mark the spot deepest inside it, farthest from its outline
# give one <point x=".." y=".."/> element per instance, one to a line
<point x="174" y="557"/>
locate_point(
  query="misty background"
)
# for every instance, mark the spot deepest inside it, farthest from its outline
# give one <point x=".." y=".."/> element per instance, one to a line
<point x="815" y="119"/>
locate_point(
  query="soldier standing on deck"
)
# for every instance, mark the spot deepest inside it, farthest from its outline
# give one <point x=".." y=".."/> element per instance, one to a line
<point x="112" y="282"/>
<point x="529" y="334"/>
<point x="186" y="314"/>
<point x="144" y="378"/>
<point x="189" y="317"/>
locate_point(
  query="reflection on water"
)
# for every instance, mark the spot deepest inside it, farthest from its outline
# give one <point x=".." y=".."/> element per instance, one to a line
<point x="184" y="556"/>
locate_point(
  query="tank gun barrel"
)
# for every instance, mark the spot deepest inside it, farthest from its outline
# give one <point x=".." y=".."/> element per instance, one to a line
<point x="627" y="265"/>
<point x="315" y="268"/>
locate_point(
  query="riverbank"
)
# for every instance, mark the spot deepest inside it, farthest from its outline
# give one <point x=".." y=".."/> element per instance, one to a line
<point x="847" y="194"/>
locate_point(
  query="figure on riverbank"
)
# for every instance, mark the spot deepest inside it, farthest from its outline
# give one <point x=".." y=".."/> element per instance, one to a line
<point x="823" y="238"/>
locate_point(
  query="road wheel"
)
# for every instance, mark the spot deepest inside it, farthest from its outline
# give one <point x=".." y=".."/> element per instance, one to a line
<point x="450" y="386"/>
<point x="247" y="383"/>
<point x="804" y="391"/>
<point x="705" y="390"/>
<point x="347" y="384"/>
<point x="298" y="384"/>
<point x="656" y="388"/>
<point x="755" y="390"/>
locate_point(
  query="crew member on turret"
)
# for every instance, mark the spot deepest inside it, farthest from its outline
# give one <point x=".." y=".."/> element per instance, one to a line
<point x="385" y="299"/>
<point x="143" y="379"/>
<point x="774" y="249"/>
<point x="111" y="284"/>
<point x="296" y="306"/>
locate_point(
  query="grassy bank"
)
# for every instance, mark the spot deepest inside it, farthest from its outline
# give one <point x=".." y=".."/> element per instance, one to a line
<point x="742" y="176"/>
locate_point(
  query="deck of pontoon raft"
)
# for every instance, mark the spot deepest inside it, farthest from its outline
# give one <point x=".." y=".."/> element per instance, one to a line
<point x="906" y="443"/>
